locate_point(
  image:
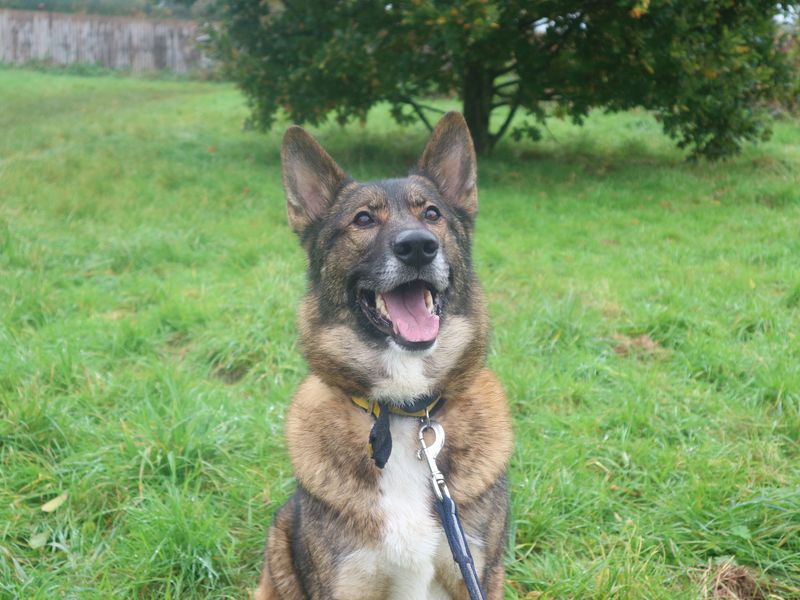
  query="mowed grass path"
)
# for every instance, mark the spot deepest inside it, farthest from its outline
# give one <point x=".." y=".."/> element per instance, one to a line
<point x="646" y="318"/>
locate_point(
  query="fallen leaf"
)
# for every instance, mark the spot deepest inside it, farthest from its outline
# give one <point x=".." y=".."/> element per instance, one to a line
<point x="38" y="540"/>
<point x="741" y="531"/>
<point x="53" y="504"/>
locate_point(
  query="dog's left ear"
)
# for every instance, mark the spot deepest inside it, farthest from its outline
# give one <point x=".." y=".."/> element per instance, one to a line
<point x="310" y="178"/>
<point x="449" y="160"/>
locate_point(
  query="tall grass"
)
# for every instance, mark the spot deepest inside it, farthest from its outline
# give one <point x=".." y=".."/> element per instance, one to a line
<point x="645" y="316"/>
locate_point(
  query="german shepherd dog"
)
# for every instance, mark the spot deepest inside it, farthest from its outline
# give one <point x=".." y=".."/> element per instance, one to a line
<point x="393" y="313"/>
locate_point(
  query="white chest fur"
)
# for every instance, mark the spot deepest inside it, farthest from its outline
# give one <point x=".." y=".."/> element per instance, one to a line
<point x="412" y="535"/>
<point x="403" y="565"/>
<point x="405" y="375"/>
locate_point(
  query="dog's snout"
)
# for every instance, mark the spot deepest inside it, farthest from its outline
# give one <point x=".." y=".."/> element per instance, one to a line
<point x="416" y="247"/>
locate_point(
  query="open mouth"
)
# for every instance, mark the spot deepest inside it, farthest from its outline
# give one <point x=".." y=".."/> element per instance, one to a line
<point x="409" y="313"/>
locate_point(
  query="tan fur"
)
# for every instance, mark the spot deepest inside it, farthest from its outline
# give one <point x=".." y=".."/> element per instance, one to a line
<point x="334" y="462"/>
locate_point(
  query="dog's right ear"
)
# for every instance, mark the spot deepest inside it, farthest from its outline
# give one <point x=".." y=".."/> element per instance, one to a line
<point x="310" y="178"/>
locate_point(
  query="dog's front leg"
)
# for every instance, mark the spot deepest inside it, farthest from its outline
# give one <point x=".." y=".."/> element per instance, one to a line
<point x="494" y="583"/>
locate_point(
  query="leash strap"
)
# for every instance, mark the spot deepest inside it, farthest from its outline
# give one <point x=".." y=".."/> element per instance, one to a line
<point x="448" y="511"/>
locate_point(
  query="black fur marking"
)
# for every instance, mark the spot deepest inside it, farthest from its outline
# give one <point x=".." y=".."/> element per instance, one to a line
<point x="498" y="494"/>
<point x="299" y="555"/>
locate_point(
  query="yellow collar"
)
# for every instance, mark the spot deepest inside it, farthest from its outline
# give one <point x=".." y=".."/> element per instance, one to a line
<point x="375" y="409"/>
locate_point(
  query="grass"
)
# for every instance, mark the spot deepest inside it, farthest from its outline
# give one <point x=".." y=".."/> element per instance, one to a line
<point x="646" y="315"/>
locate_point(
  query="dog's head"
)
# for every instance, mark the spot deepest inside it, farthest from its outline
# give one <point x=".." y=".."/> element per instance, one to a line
<point x="392" y="306"/>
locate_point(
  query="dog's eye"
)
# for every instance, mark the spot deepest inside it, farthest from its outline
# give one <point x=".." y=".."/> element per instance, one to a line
<point x="432" y="214"/>
<point x="363" y="219"/>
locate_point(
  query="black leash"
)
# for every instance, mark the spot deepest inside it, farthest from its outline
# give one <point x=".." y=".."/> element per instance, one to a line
<point x="448" y="511"/>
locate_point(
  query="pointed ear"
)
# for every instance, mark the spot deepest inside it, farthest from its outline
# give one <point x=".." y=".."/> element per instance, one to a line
<point x="310" y="178"/>
<point x="449" y="160"/>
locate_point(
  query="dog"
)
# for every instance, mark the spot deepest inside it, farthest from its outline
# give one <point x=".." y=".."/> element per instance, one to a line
<point x="393" y="314"/>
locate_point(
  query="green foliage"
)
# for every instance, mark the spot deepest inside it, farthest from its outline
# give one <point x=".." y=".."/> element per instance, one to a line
<point x="645" y="313"/>
<point x="702" y="67"/>
<point x="791" y="47"/>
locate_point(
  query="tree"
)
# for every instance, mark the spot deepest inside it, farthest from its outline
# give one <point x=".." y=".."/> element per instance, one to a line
<point x="703" y="67"/>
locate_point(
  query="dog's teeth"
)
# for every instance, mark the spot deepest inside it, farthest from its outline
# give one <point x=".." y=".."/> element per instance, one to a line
<point x="429" y="300"/>
<point x="381" y="306"/>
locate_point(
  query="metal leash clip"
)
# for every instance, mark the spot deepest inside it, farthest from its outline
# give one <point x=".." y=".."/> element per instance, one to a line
<point x="430" y="453"/>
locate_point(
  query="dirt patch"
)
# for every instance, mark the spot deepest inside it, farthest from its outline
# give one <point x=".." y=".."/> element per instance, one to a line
<point x="230" y="373"/>
<point x="640" y="346"/>
<point x="178" y="345"/>
<point x="118" y="314"/>
<point x="728" y="581"/>
<point x="611" y="310"/>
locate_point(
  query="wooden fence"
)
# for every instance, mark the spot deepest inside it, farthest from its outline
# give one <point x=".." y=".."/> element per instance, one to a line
<point x="136" y="44"/>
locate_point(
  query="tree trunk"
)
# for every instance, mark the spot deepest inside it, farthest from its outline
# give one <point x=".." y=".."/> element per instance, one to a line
<point x="477" y="89"/>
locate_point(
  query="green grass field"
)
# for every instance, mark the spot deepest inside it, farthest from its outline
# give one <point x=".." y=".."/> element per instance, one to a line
<point x="646" y="314"/>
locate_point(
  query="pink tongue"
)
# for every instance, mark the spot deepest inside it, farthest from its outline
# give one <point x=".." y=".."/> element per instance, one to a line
<point x="411" y="318"/>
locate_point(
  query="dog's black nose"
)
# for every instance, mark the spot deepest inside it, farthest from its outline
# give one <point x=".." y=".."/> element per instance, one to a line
<point x="416" y="247"/>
